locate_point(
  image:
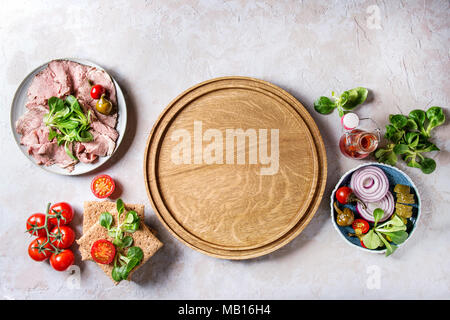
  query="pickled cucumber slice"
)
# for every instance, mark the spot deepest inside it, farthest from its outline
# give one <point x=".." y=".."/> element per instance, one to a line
<point x="401" y="188"/>
<point x="405" y="198"/>
<point x="403" y="210"/>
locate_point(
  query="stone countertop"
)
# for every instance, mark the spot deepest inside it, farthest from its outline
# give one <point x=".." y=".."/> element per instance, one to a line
<point x="157" y="49"/>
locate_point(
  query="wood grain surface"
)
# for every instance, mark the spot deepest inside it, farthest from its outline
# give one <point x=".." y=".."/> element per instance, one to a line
<point x="226" y="207"/>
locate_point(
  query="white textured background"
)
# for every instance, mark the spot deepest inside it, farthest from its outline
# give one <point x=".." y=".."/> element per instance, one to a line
<point x="157" y="49"/>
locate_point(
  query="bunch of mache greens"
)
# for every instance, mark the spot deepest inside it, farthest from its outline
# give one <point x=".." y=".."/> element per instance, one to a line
<point x="393" y="230"/>
<point x="344" y="102"/>
<point x="409" y="138"/>
<point x="67" y="122"/>
<point x="123" y="263"/>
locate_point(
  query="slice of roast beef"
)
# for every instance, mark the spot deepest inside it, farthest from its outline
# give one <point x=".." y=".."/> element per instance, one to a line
<point x="101" y="128"/>
<point x="47" y="84"/>
<point x="95" y="76"/>
<point x="50" y="153"/>
<point x="61" y="71"/>
<point x="31" y="119"/>
<point x="82" y="155"/>
<point x="102" y="145"/>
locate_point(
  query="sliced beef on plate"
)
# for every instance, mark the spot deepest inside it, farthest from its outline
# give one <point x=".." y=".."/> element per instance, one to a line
<point x="77" y="74"/>
<point x="82" y="155"/>
<point x="96" y="76"/>
<point x="61" y="78"/>
<point x="50" y="153"/>
<point x="102" y="145"/>
<point x="61" y="71"/>
<point x="101" y="128"/>
<point x="32" y="119"/>
<point x="29" y="139"/>
<point x="47" y="84"/>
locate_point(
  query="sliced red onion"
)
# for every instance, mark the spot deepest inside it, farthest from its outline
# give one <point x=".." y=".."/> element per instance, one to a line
<point x="387" y="204"/>
<point x="367" y="183"/>
<point x="370" y="184"/>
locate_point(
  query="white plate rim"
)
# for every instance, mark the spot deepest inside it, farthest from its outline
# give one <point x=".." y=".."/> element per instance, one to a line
<point x="82" y="167"/>
<point x="342" y="179"/>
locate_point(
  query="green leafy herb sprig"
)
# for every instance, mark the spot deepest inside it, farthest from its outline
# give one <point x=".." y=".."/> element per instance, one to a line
<point x="123" y="263"/>
<point x="409" y="138"/>
<point x="394" y="228"/>
<point x="67" y="122"/>
<point x="345" y="102"/>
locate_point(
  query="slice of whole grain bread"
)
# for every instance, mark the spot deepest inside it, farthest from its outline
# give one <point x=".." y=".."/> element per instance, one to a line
<point x="93" y="210"/>
<point x="93" y="231"/>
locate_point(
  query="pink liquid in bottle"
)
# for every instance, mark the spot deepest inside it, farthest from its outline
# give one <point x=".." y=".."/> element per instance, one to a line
<point x="358" y="144"/>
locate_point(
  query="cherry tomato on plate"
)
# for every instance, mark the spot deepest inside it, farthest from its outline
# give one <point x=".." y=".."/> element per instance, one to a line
<point x="62" y="260"/>
<point x="102" y="186"/>
<point x="38" y="252"/>
<point x="63" y="238"/>
<point x="362" y="244"/>
<point x="361" y="225"/>
<point x="37" y="220"/>
<point x="103" y="251"/>
<point x="97" y="91"/>
<point x="64" y="210"/>
<point x="344" y="195"/>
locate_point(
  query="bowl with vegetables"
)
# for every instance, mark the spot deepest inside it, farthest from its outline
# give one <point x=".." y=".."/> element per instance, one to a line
<point x="375" y="207"/>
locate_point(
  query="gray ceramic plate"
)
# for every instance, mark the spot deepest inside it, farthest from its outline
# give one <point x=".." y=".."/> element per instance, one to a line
<point x="18" y="108"/>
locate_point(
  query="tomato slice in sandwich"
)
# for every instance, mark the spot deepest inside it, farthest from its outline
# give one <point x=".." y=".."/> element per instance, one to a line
<point x="103" y="186"/>
<point x="103" y="251"/>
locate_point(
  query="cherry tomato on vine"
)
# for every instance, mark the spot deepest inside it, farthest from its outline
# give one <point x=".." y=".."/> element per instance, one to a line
<point x="103" y="186"/>
<point x="97" y="91"/>
<point x="39" y="254"/>
<point x="61" y="261"/>
<point x="103" y="251"/>
<point x="64" y="210"/>
<point x="63" y="238"/>
<point x="37" y="220"/>
<point x="361" y="225"/>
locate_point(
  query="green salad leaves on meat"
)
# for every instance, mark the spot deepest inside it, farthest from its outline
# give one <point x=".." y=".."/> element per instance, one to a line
<point x="67" y="122"/>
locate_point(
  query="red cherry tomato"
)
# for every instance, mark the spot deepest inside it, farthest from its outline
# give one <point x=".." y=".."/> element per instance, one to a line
<point x="97" y="91"/>
<point x="38" y="252"/>
<point x="62" y="260"/>
<point x="360" y="224"/>
<point x="63" y="238"/>
<point x="35" y="221"/>
<point x="102" y="186"/>
<point x="362" y="244"/>
<point x="63" y="210"/>
<point x="343" y="195"/>
<point x="103" y="251"/>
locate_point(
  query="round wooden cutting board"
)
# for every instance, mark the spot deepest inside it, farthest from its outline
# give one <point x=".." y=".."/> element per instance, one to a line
<point x="235" y="167"/>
